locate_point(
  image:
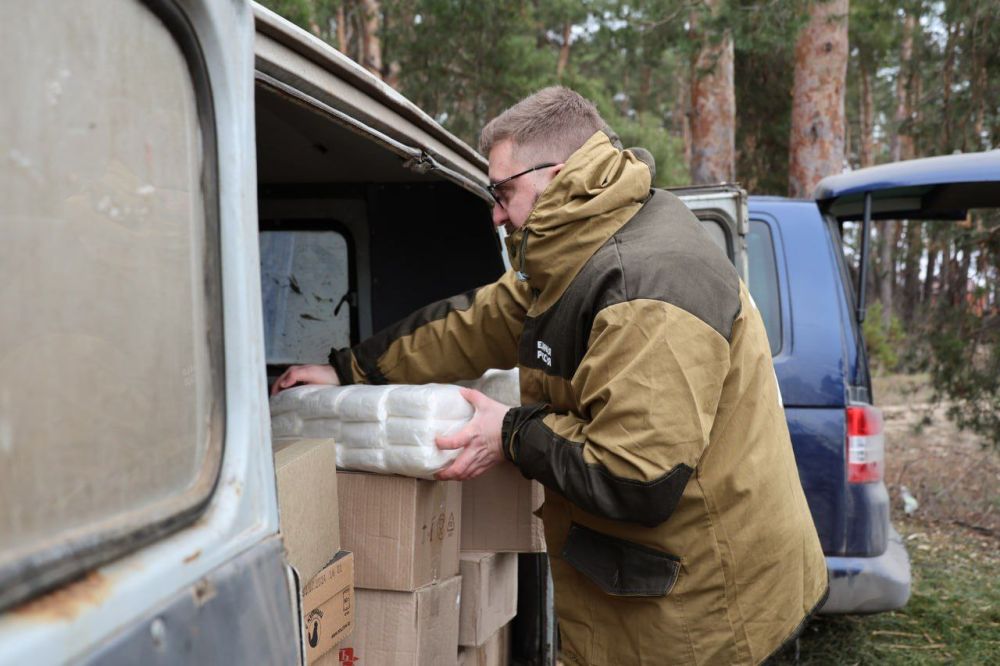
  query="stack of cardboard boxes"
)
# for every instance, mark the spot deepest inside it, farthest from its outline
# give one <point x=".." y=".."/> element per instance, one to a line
<point x="498" y="521"/>
<point x="401" y="571"/>
<point x="404" y="534"/>
<point x="323" y="572"/>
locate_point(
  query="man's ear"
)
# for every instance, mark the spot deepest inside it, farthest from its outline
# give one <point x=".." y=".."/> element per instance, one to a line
<point x="557" y="168"/>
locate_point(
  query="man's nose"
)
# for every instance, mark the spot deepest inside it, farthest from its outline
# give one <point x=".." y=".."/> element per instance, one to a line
<point x="499" y="215"/>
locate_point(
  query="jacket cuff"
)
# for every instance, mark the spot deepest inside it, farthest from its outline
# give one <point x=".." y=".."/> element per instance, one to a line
<point x="341" y="359"/>
<point x="513" y="421"/>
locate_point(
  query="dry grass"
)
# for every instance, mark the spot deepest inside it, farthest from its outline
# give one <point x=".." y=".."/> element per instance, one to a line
<point x="954" y="475"/>
<point x="953" y="615"/>
<point x="953" y="538"/>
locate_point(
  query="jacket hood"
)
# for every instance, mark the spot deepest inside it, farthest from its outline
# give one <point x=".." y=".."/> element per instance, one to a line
<point x="598" y="189"/>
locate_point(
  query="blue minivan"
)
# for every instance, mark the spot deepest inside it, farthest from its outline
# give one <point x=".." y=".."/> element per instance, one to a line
<point x="813" y="309"/>
<point x="800" y="281"/>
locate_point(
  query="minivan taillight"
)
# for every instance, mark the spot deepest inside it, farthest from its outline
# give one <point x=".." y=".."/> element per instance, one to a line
<point x="865" y="444"/>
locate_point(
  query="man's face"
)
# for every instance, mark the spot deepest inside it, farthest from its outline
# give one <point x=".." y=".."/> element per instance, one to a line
<point x="519" y="195"/>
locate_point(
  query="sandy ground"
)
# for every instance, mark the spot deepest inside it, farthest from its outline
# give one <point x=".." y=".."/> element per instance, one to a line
<point x="954" y="475"/>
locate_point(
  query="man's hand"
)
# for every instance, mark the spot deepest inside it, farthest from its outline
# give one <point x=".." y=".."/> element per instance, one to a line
<point x="479" y="439"/>
<point x="305" y="374"/>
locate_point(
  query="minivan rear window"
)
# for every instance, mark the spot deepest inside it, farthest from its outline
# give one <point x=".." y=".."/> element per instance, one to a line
<point x="763" y="280"/>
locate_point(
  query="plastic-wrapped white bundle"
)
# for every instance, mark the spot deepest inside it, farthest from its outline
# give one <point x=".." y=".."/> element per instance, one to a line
<point x="501" y="385"/>
<point x="386" y="429"/>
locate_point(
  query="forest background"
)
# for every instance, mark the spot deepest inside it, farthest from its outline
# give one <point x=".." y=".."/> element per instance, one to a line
<point x="771" y="94"/>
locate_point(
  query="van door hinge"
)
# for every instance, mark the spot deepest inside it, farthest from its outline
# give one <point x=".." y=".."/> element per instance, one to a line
<point x="423" y="163"/>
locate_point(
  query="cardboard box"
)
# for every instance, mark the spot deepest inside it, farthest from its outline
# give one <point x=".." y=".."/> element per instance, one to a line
<point x="498" y="512"/>
<point x="327" y="607"/>
<point x="306" y="472"/>
<point x="489" y="595"/>
<point x="494" y="652"/>
<point x="403" y="628"/>
<point x="404" y="532"/>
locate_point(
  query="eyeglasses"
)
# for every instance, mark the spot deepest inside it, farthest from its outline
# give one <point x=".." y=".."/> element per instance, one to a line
<point x="494" y="188"/>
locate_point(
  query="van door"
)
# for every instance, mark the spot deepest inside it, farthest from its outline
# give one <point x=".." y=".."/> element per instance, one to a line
<point x="138" y="520"/>
<point x="723" y="210"/>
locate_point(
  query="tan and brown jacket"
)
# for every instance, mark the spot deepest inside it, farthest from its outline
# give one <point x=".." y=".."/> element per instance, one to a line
<point x="676" y="523"/>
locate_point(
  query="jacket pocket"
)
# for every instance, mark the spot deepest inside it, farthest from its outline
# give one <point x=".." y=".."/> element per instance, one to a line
<point x="620" y="568"/>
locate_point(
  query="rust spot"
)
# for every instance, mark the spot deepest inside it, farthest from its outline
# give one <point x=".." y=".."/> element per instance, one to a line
<point x="192" y="557"/>
<point x="203" y="592"/>
<point x="68" y="601"/>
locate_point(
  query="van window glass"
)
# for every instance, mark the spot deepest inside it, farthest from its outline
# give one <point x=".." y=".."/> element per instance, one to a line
<point x="718" y="234"/>
<point x="111" y="406"/>
<point x="305" y="278"/>
<point x="763" y="280"/>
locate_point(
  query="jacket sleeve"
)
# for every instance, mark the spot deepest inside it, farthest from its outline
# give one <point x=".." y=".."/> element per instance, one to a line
<point x="456" y="338"/>
<point x="648" y="388"/>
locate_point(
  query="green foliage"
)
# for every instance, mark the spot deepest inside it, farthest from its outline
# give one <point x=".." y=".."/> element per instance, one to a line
<point x="764" y="49"/>
<point x="465" y="61"/>
<point x="965" y="367"/>
<point x="645" y="131"/>
<point x="964" y="333"/>
<point x="299" y="12"/>
<point x="883" y="343"/>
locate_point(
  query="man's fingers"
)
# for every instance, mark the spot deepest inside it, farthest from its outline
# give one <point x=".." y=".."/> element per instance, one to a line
<point x="458" y="440"/>
<point x="283" y="381"/>
<point x="472" y="396"/>
<point x="468" y="465"/>
<point x="305" y="374"/>
<point x="474" y="472"/>
<point x="452" y="471"/>
<point x="458" y="470"/>
<point x="289" y="378"/>
<point x="279" y="383"/>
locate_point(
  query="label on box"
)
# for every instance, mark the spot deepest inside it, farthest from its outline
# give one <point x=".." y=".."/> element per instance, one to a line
<point x="328" y="606"/>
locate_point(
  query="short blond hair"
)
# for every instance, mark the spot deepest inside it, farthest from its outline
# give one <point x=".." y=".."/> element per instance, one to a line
<point x="550" y="125"/>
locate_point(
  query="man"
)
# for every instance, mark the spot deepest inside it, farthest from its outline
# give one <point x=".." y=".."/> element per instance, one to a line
<point x="676" y="524"/>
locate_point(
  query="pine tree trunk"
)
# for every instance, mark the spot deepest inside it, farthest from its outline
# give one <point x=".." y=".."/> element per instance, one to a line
<point x="996" y="291"/>
<point x="867" y="157"/>
<point x="916" y="94"/>
<point x="979" y="85"/>
<point x="816" y="146"/>
<point x="900" y="147"/>
<point x="946" y="80"/>
<point x="944" y="279"/>
<point x="645" y="85"/>
<point x="902" y="140"/>
<point x="713" y="109"/>
<point x="933" y="250"/>
<point x="848" y="139"/>
<point x="564" y="50"/>
<point x="962" y="277"/>
<point x="682" y="115"/>
<point x="358" y="21"/>
<point x="371" y="43"/>
<point x="341" y="29"/>
<point x="911" y="269"/>
<point x="886" y="239"/>
<point x="403" y="16"/>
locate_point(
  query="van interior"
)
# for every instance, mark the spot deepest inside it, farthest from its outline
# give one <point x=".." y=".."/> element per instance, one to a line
<point x="351" y="239"/>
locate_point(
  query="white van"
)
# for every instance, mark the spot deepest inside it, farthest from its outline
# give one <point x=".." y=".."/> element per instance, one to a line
<point x="194" y="195"/>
